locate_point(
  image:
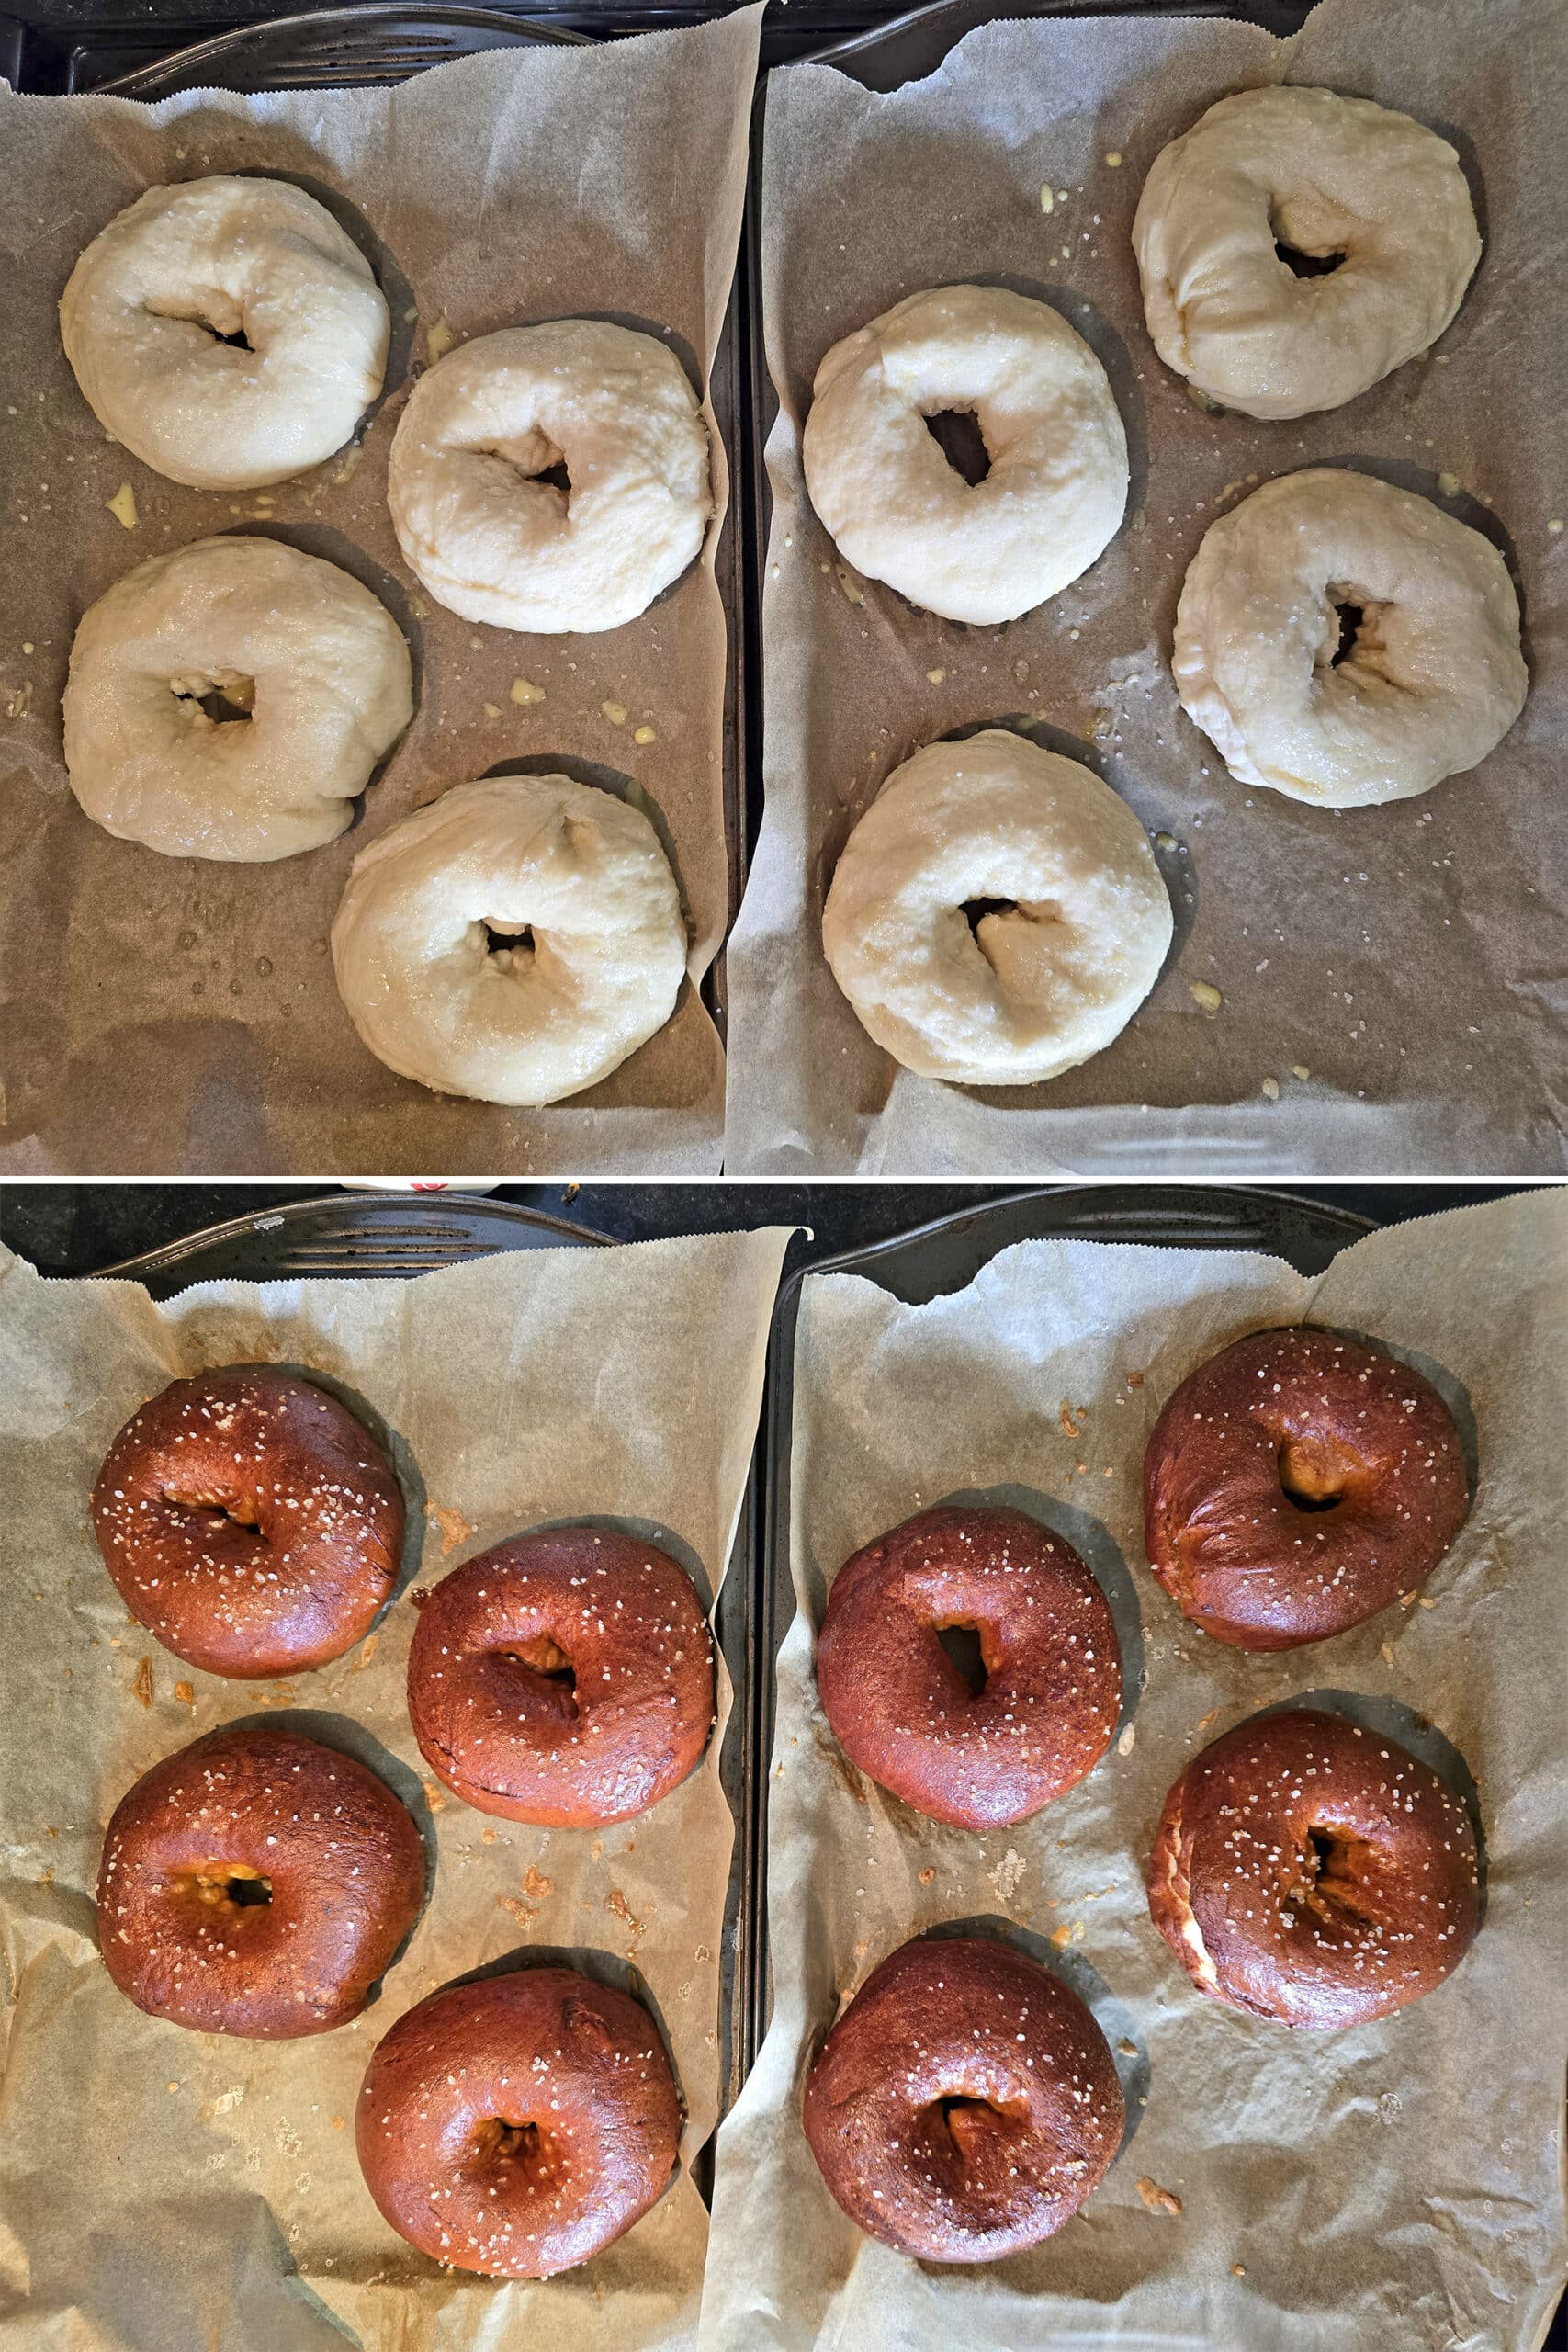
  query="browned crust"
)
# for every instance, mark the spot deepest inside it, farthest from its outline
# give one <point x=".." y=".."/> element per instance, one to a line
<point x="902" y="1711"/>
<point x="517" y="2126"/>
<point x="1310" y="1871"/>
<point x="343" y="1857"/>
<point x="966" y="2104"/>
<point x="1238" y="1554"/>
<point x="495" y="1720"/>
<point x="250" y="1521"/>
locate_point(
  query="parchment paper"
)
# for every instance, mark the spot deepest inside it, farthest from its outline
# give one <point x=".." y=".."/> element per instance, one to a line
<point x="167" y="2191"/>
<point x="1409" y="958"/>
<point x="179" y="1015"/>
<point x="1395" y="2185"/>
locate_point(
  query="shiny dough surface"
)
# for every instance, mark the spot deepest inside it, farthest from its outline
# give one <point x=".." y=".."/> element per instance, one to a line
<point x="1038" y="985"/>
<point x="1325" y="178"/>
<point x="148" y="309"/>
<point x="1056" y="488"/>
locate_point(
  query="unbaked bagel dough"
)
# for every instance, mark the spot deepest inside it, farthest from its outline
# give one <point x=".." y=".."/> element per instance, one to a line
<point x="492" y="542"/>
<point x="1433" y="678"/>
<point x="1054" y="497"/>
<point x="147" y="308"/>
<point x="1034" y="989"/>
<point x="1323" y="175"/>
<point x="319" y="666"/>
<point x="578" y="870"/>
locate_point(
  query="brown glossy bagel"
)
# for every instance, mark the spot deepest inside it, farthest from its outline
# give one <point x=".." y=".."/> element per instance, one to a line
<point x="904" y="1714"/>
<point x="333" y="1856"/>
<point x="518" y="2126"/>
<point x="1309" y="1871"/>
<point x="1296" y="1484"/>
<point x="966" y="2104"/>
<point x="564" y="1678"/>
<point x="250" y="1522"/>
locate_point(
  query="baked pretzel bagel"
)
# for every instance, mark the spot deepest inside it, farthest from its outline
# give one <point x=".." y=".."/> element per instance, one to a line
<point x="564" y="1678"/>
<point x="902" y="1710"/>
<point x="250" y="1521"/>
<point x="257" y="1883"/>
<point x="1297" y="1482"/>
<point x="519" y="2125"/>
<point x="1312" y="1872"/>
<point x="966" y="2104"/>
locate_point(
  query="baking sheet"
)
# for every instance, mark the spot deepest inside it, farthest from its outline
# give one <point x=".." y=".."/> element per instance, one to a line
<point x="1399" y="2183"/>
<point x="165" y="1014"/>
<point x="1408" y="959"/>
<point x="205" y="2194"/>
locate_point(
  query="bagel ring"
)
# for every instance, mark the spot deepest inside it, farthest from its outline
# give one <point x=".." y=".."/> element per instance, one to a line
<point x="1012" y="996"/>
<point x="1056" y="489"/>
<point x="564" y="1678"/>
<point x="493" y="542"/>
<point x="900" y="1709"/>
<point x="1432" y="679"/>
<point x="1379" y="197"/>
<point x="257" y="1883"/>
<point x="1308" y="1871"/>
<point x="250" y="1521"/>
<point x="1296" y="1484"/>
<point x="314" y="673"/>
<point x="576" y="871"/>
<point x="966" y="2104"/>
<point x="150" y="312"/>
<point x="519" y="2125"/>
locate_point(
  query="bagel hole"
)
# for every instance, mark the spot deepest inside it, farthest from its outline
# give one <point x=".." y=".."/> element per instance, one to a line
<point x="502" y="942"/>
<point x="238" y="341"/>
<point x="1349" y="618"/>
<point x="956" y="432"/>
<point x="1303" y="1484"/>
<point x="239" y="1510"/>
<point x="961" y="1644"/>
<point x="225" y="701"/>
<point x="509" y="2141"/>
<point x="544" y="1661"/>
<point x="557" y="476"/>
<point x="1300" y="264"/>
<point x="234" y="1884"/>
<point x="974" y="911"/>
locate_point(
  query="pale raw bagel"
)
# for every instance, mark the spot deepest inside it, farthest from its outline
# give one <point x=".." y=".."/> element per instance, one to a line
<point x="1032" y="990"/>
<point x="1054" y="498"/>
<point x="145" y="308"/>
<point x="580" y="871"/>
<point x="321" y="667"/>
<point x="1323" y="175"/>
<point x="494" y="544"/>
<point x="1433" y="679"/>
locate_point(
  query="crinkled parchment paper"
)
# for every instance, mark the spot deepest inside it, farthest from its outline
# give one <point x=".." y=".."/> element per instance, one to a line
<point x="167" y="2191"/>
<point x="1397" y="973"/>
<point x="1395" y="2185"/>
<point x="165" y="1014"/>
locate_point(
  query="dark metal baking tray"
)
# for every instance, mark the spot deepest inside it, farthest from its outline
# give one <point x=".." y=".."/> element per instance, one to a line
<point x="926" y="1263"/>
<point x="382" y="42"/>
<point x="883" y="57"/>
<point x="394" y="1235"/>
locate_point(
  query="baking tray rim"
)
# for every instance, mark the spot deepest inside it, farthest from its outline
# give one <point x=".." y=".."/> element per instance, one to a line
<point x="725" y="384"/>
<point x="733" y="1609"/>
<point x="766" y="1624"/>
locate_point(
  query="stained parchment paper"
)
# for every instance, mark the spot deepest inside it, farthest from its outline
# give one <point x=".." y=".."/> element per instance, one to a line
<point x="167" y="2191"/>
<point x="175" y="1015"/>
<point x="1397" y="2184"/>
<point x="1408" y="959"/>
